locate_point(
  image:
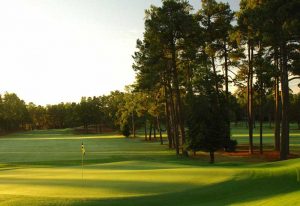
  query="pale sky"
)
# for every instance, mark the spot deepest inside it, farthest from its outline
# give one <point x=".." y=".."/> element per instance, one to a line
<point x="54" y="51"/>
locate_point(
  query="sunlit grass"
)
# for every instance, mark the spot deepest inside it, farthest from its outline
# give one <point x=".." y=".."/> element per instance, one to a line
<point x="104" y="183"/>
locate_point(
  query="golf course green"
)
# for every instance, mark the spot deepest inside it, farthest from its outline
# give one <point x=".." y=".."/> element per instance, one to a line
<point x="45" y="168"/>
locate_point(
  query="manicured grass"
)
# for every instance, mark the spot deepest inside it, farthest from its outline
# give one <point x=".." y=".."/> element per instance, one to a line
<point x="44" y="168"/>
<point x="240" y="133"/>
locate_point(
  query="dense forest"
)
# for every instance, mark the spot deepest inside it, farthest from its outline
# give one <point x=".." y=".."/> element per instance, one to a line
<point x="197" y="74"/>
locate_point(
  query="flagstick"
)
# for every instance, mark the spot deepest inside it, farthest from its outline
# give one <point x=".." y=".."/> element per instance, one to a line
<point x="82" y="166"/>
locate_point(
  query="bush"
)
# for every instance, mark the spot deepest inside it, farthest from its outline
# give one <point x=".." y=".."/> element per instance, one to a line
<point x="230" y="145"/>
<point x="125" y="130"/>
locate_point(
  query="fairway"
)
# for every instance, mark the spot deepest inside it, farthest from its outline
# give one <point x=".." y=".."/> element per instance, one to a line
<point x="44" y="168"/>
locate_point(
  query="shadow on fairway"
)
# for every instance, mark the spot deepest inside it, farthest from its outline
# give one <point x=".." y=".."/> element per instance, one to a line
<point x="233" y="191"/>
<point x="225" y="193"/>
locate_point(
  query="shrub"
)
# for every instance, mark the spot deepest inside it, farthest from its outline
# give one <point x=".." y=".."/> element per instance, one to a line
<point x="230" y="145"/>
<point x="125" y="130"/>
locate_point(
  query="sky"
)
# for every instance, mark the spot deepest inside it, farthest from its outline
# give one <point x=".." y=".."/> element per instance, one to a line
<point x="54" y="51"/>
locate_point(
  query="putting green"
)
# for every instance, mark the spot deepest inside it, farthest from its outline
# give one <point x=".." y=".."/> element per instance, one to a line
<point x="44" y="168"/>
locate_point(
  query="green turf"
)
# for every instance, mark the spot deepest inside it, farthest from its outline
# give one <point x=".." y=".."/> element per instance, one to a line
<point x="44" y="168"/>
<point x="240" y="133"/>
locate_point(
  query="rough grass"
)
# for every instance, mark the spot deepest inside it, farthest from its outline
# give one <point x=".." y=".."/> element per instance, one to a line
<point x="44" y="168"/>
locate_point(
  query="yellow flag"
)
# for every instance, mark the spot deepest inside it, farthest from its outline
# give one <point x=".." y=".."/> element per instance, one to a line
<point x="82" y="149"/>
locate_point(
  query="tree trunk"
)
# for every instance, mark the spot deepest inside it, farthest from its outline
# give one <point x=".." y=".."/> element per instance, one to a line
<point x="227" y="137"/>
<point x="150" y="135"/>
<point x="261" y="96"/>
<point x="215" y="73"/>
<point x="284" y="143"/>
<point x="178" y="108"/>
<point x="168" y="119"/>
<point x="154" y="129"/>
<point x="212" y="157"/>
<point x="174" y="115"/>
<point x="226" y="71"/>
<point x="277" y="110"/>
<point x="172" y="123"/>
<point x="146" y="138"/>
<point x="261" y="117"/>
<point x="250" y="97"/>
<point x="175" y="127"/>
<point x="216" y="77"/>
<point x="133" y="124"/>
<point x="159" y="129"/>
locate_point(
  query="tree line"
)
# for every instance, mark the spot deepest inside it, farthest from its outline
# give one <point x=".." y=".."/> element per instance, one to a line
<point x="111" y="112"/>
<point x="192" y="58"/>
<point x="137" y="110"/>
<point x="16" y="115"/>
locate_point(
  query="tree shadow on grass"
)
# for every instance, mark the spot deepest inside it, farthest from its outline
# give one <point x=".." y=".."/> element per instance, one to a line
<point x="224" y="193"/>
<point x="242" y="189"/>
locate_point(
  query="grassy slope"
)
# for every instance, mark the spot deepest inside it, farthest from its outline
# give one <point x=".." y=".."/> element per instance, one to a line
<point x="44" y="168"/>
